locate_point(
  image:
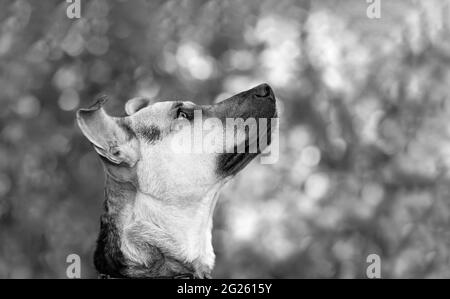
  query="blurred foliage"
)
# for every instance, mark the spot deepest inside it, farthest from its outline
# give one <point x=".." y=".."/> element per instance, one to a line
<point x="364" y="139"/>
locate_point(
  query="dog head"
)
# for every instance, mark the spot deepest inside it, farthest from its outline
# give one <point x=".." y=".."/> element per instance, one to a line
<point x="175" y="151"/>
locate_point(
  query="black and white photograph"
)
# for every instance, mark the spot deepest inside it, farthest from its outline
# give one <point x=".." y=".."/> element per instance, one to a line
<point x="253" y="140"/>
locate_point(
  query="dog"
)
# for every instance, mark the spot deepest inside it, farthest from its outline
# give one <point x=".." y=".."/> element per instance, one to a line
<point x="159" y="201"/>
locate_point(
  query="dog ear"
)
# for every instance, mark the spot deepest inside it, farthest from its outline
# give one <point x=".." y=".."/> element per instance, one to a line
<point x="110" y="136"/>
<point x="136" y="104"/>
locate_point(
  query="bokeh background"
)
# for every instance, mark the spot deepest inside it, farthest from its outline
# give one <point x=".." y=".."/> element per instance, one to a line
<point x="364" y="134"/>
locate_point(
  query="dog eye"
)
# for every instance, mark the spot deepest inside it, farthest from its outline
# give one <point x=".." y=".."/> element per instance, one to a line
<point x="186" y="114"/>
<point x="182" y="114"/>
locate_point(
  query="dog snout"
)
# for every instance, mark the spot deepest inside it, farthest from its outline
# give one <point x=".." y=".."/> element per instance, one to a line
<point x="263" y="91"/>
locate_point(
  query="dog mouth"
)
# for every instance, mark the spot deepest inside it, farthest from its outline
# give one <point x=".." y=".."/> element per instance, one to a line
<point x="258" y="103"/>
<point x="232" y="163"/>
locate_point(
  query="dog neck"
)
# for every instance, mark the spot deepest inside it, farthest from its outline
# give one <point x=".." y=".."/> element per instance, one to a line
<point x="144" y="237"/>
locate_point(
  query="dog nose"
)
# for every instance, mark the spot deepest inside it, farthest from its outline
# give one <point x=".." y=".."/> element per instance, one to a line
<point x="263" y="91"/>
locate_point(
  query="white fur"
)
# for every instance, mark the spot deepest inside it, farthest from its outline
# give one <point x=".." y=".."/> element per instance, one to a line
<point x="185" y="231"/>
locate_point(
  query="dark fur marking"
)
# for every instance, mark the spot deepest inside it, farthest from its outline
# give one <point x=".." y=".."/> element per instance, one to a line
<point x="229" y="164"/>
<point x="150" y="133"/>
